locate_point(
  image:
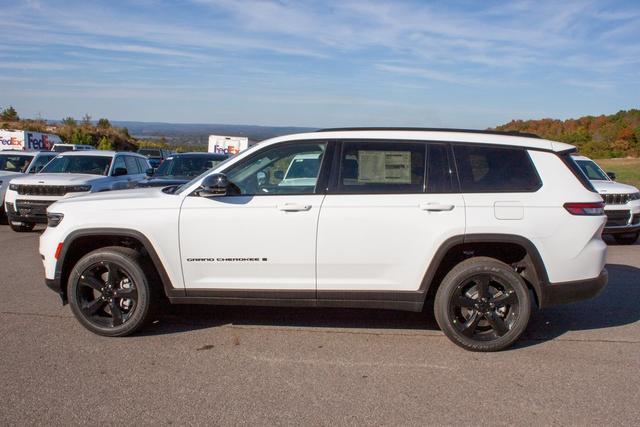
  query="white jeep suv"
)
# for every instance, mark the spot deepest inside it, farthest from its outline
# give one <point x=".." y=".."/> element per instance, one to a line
<point x="16" y="163"/>
<point x="622" y="202"/>
<point x="483" y="222"/>
<point x="71" y="173"/>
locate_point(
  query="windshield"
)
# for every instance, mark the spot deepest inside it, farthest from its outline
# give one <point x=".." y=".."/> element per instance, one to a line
<point x="149" y="152"/>
<point x="202" y="175"/>
<point x="62" y="148"/>
<point x="94" y="165"/>
<point x="14" y="162"/>
<point x="592" y="170"/>
<point x="186" y="166"/>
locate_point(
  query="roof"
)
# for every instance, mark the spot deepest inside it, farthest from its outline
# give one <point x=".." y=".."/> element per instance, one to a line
<point x="199" y="153"/>
<point x="20" y="152"/>
<point x="444" y="135"/>
<point x="489" y="132"/>
<point x="104" y="153"/>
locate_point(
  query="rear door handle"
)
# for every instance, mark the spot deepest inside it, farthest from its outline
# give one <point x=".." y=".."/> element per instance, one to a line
<point x="436" y="207"/>
<point x="294" y="207"/>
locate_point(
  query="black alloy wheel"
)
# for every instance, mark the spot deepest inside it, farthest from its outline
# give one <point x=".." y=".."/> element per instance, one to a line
<point x="109" y="292"/>
<point x="106" y="294"/>
<point x="483" y="304"/>
<point x="484" y="307"/>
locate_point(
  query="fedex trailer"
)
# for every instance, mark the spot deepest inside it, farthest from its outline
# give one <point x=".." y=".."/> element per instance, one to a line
<point x="230" y="145"/>
<point x="27" y="140"/>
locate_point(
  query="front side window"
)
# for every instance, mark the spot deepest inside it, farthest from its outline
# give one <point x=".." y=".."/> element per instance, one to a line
<point x="282" y="169"/>
<point x="14" y="163"/>
<point x="382" y="167"/>
<point x="94" y="165"/>
<point x="592" y="170"/>
<point x="483" y="169"/>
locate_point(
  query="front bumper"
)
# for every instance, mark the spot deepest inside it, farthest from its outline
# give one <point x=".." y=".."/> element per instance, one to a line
<point x="570" y="292"/>
<point x="28" y="211"/>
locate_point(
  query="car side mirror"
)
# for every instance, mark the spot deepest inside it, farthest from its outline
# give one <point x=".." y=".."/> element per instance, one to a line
<point x="120" y="171"/>
<point x="612" y="175"/>
<point x="279" y="175"/>
<point x="150" y="172"/>
<point x="214" y="185"/>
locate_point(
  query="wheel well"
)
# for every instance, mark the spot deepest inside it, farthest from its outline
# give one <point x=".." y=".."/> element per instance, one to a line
<point x="512" y="254"/>
<point x="85" y="244"/>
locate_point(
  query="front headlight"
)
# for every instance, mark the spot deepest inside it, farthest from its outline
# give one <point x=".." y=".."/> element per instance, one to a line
<point x="634" y="196"/>
<point x="53" y="219"/>
<point x="13" y="187"/>
<point x="79" y="188"/>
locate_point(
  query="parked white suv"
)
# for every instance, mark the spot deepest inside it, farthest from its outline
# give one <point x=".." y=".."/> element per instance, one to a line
<point x="483" y="222"/>
<point x="71" y="173"/>
<point x="16" y="163"/>
<point x="622" y="202"/>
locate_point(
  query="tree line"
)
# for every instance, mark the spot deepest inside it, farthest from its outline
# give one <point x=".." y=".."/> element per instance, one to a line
<point x="600" y="137"/>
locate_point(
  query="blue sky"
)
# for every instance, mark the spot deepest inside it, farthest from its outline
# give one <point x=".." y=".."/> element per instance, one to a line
<point x="345" y="63"/>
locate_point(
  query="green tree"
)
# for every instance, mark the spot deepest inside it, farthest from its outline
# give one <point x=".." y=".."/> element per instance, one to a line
<point x="9" y="114"/>
<point x="104" y="144"/>
<point x="69" y="121"/>
<point x="80" y="137"/>
<point x="104" y="124"/>
<point x="86" y="120"/>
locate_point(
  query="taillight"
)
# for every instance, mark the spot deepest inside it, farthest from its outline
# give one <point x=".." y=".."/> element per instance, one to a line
<point x="585" y="208"/>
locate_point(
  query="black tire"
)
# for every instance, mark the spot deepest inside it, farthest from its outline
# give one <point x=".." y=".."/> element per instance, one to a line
<point x="111" y="306"/>
<point x="482" y="304"/>
<point x="626" y="239"/>
<point x="21" y="227"/>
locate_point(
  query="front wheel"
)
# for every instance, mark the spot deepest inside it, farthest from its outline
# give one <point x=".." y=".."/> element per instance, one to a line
<point x="626" y="239"/>
<point x="482" y="304"/>
<point x="21" y="227"/>
<point x="109" y="292"/>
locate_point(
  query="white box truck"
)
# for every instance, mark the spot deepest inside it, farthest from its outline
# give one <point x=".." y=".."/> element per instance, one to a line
<point x="27" y="140"/>
<point x="230" y="145"/>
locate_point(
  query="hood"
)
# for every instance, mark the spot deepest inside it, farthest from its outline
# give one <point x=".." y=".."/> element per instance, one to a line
<point x="137" y="194"/>
<point x="58" y="179"/>
<point x="612" y="187"/>
<point x="9" y="173"/>
<point x="162" y="181"/>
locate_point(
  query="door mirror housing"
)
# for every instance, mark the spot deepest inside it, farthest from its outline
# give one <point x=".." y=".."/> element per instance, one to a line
<point x="215" y="185"/>
<point x="612" y="175"/>
<point x="120" y="171"/>
<point x="150" y="172"/>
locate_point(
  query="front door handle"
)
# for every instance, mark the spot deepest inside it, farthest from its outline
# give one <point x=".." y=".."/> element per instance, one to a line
<point x="294" y="207"/>
<point x="436" y="207"/>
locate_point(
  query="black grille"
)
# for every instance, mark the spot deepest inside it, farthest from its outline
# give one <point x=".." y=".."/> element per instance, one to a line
<point x="33" y="208"/>
<point x="42" y="190"/>
<point x="615" y="199"/>
<point x="617" y="218"/>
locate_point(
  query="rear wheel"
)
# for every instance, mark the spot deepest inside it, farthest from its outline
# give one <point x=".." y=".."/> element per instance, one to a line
<point x="109" y="292"/>
<point x="626" y="239"/>
<point x="21" y="227"/>
<point x="482" y="304"/>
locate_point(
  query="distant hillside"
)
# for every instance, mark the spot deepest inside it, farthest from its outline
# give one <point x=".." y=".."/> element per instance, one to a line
<point x="197" y="134"/>
<point x="617" y="135"/>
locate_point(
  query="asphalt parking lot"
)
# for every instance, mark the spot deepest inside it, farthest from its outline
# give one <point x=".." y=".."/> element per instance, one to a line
<point x="575" y="365"/>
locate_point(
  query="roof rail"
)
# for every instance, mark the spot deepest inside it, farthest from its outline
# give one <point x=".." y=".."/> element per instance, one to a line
<point x="490" y="132"/>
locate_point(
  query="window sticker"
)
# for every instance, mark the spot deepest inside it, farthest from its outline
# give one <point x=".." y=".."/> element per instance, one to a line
<point x="384" y="167"/>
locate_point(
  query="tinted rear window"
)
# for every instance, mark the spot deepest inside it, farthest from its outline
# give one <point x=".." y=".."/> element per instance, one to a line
<point x="485" y="169"/>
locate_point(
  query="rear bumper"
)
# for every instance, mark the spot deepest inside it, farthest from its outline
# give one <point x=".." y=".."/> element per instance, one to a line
<point x="570" y="292"/>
